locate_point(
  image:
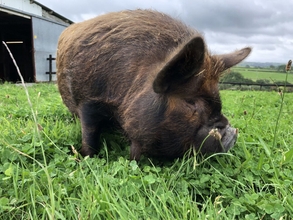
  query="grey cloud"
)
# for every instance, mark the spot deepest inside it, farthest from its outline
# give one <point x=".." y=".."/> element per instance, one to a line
<point x="266" y="25"/>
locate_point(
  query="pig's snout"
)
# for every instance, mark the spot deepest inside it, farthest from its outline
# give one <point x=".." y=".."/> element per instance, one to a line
<point x="229" y="138"/>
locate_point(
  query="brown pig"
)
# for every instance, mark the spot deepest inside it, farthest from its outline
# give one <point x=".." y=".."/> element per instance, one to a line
<point x="152" y="76"/>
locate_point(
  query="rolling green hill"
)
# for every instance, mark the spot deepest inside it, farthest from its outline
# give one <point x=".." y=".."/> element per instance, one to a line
<point x="263" y="73"/>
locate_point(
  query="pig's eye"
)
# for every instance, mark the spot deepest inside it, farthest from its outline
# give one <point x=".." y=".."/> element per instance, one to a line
<point x="190" y="102"/>
<point x="192" y="106"/>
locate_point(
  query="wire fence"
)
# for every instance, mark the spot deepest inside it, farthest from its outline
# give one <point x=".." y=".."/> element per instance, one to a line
<point x="256" y="86"/>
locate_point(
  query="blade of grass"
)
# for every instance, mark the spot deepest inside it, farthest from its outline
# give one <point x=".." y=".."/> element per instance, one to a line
<point x="51" y="214"/>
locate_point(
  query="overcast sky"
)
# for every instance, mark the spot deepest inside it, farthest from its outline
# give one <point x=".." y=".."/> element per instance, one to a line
<point x="265" y="25"/>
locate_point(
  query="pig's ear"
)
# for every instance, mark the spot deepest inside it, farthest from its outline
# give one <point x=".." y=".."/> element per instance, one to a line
<point x="184" y="63"/>
<point x="234" y="58"/>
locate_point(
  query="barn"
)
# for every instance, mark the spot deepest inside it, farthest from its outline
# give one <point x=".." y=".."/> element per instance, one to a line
<point x="31" y="31"/>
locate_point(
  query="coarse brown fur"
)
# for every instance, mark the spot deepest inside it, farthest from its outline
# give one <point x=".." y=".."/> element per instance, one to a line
<point x="150" y="74"/>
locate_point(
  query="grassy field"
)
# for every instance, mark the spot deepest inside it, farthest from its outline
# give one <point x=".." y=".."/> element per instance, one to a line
<point x="42" y="176"/>
<point x="269" y="74"/>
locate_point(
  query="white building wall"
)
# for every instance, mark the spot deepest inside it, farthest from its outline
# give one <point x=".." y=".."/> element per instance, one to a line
<point x="23" y="5"/>
<point x="46" y="36"/>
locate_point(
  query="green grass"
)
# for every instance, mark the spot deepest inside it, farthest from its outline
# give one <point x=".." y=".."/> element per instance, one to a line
<point x="269" y="74"/>
<point x="41" y="178"/>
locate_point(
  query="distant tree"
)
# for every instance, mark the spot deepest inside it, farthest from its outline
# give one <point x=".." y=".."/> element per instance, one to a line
<point x="272" y="67"/>
<point x="247" y="66"/>
<point x="232" y="77"/>
<point x="263" y="81"/>
<point x="235" y="77"/>
<point x="281" y="68"/>
<point x="282" y="83"/>
<point x="249" y="81"/>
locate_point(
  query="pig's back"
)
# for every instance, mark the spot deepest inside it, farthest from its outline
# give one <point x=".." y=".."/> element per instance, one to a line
<point x="102" y="57"/>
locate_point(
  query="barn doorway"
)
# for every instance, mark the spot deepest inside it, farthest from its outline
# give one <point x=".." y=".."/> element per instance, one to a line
<point x="16" y="32"/>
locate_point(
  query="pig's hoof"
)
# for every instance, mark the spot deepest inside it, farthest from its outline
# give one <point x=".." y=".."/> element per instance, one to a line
<point x="87" y="151"/>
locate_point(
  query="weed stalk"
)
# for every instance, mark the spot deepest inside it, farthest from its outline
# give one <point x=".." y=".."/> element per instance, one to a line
<point x="50" y="186"/>
<point x="288" y="67"/>
<point x="282" y="94"/>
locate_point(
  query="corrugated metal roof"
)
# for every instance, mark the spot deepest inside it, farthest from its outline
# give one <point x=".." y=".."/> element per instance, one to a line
<point x="52" y="15"/>
<point x="50" y="11"/>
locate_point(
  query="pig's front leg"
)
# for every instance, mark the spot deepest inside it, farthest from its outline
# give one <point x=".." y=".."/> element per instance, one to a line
<point x="92" y="117"/>
<point x="135" y="150"/>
